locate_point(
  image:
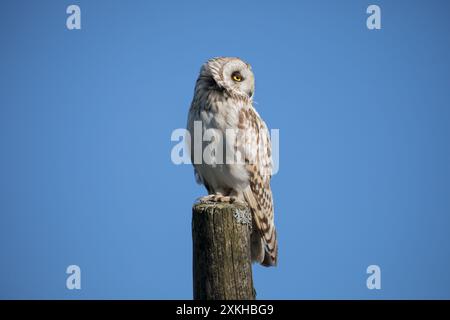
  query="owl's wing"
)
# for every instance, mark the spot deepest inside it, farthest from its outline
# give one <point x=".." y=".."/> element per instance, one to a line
<point x="258" y="163"/>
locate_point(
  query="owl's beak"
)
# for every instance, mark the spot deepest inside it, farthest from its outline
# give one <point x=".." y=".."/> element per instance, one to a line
<point x="250" y="93"/>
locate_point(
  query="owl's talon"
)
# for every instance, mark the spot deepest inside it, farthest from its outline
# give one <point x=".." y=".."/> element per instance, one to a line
<point x="217" y="198"/>
<point x="205" y="199"/>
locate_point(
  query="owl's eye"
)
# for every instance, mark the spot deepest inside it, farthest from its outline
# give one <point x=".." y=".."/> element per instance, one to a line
<point x="236" y="76"/>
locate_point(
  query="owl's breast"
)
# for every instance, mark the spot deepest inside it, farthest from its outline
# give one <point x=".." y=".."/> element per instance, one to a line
<point x="219" y="118"/>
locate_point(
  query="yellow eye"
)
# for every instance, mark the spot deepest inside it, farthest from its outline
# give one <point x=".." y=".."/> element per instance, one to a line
<point x="236" y="77"/>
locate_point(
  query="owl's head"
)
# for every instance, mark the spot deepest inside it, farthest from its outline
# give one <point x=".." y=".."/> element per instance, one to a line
<point x="230" y="74"/>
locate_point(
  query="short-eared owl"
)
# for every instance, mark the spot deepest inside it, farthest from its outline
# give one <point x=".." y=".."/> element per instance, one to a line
<point x="223" y="102"/>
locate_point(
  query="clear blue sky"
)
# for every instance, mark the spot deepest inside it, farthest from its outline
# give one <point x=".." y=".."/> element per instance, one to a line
<point x="86" y="117"/>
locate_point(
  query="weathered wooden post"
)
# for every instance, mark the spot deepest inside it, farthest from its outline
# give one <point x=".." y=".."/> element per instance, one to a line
<point x="222" y="267"/>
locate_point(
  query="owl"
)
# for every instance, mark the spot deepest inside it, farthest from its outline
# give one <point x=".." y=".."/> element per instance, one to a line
<point x="239" y="167"/>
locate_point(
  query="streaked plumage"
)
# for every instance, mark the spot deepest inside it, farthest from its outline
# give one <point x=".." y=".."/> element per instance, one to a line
<point x="223" y="100"/>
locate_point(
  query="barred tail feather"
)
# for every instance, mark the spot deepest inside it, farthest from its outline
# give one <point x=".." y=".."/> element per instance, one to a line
<point x="264" y="244"/>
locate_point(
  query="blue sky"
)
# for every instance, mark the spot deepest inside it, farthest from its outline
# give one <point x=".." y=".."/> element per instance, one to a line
<point x="86" y="117"/>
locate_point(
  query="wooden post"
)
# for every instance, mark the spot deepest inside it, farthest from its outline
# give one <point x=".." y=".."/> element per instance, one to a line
<point x="222" y="267"/>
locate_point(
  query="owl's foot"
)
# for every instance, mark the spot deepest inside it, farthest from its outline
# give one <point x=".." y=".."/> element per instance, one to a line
<point x="217" y="198"/>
